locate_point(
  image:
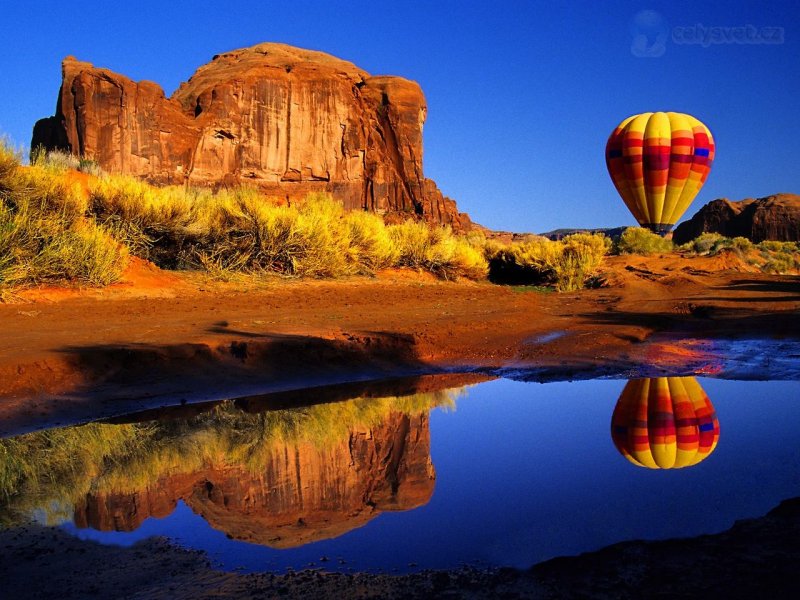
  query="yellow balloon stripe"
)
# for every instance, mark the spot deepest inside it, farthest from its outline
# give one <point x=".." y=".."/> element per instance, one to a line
<point x="658" y="163"/>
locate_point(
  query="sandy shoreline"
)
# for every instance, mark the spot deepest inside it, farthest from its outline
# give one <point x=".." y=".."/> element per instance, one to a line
<point x="160" y="339"/>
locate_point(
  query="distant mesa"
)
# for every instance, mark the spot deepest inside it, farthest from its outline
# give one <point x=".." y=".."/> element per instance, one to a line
<point x="775" y="217"/>
<point x="287" y="120"/>
<point x="664" y="423"/>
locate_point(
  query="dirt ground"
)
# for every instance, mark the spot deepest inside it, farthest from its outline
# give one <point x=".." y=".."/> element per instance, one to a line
<point x="155" y="339"/>
<point x="160" y="338"/>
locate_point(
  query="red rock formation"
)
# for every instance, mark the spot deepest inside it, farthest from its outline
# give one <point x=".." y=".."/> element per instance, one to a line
<point x="774" y="217"/>
<point x="288" y="120"/>
<point x="303" y="494"/>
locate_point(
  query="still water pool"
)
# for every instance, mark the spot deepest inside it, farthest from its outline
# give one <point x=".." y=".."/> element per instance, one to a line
<point x="496" y="473"/>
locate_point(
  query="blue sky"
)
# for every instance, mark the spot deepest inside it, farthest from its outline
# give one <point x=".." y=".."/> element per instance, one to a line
<point x="521" y="95"/>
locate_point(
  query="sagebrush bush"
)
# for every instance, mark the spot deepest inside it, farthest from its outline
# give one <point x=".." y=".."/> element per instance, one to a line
<point x="62" y="161"/>
<point x="44" y="232"/>
<point x="371" y="242"/>
<point x="769" y="256"/>
<point x="707" y="243"/>
<point x="53" y="216"/>
<point x="565" y="264"/>
<point x="437" y="250"/>
<point x="639" y="240"/>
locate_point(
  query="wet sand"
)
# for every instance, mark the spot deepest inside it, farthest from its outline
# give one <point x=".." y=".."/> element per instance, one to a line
<point x="158" y="338"/>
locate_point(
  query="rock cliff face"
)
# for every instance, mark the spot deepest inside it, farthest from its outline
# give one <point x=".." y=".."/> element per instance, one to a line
<point x="774" y="217"/>
<point x="303" y="494"/>
<point x="288" y="120"/>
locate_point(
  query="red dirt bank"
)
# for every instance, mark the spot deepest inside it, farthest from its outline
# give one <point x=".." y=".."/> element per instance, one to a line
<point x="161" y="338"/>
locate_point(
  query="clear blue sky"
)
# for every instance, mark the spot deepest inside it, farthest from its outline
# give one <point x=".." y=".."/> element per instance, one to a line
<point x="521" y="95"/>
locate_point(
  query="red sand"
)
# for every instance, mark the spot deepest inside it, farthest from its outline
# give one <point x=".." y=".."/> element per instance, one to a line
<point x="160" y="337"/>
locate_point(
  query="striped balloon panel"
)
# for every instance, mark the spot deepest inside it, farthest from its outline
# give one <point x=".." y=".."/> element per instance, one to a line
<point x="664" y="423"/>
<point x="658" y="162"/>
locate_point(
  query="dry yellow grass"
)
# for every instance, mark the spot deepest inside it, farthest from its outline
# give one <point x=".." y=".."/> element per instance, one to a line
<point x="567" y="264"/>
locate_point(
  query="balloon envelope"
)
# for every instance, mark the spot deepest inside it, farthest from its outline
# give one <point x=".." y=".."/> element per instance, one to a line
<point x="664" y="423"/>
<point x="658" y="163"/>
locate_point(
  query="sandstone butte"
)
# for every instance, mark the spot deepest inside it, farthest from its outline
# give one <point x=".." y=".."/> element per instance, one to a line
<point x="304" y="494"/>
<point x="775" y="217"/>
<point x="287" y="120"/>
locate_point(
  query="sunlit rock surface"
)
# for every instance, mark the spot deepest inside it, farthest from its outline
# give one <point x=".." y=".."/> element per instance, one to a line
<point x="288" y="120"/>
<point x="775" y="217"/>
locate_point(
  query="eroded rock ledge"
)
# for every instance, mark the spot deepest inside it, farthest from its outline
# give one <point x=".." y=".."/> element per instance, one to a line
<point x="288" y="120"/>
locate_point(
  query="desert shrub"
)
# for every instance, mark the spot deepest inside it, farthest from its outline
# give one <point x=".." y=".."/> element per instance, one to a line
<point x="581" y="256"/>
<point x="86" y="254"/>
<point x="438" y="250"/>
<point x="779" y="257"/>
<point x="61" y="161"/>
<point x="140" y="215"/>
<point x="780" y="264"/>
<point x="55" y="160"/>
<point x="45" y="234"/>
<point x="566" y="264"/>
<point x="245" y="233"/>
<point x="775" y="246"/>
<point x="53" y="217"/>
<point x="370" y="241"/>
<point x="707" y="244"/>
<point x="325" y="245"/>
<point x="768" y="256"/>
<point x="741" y="244"/>
<point x="49" y="193"/>
<point x="9" y="161"/>
<point x="638" y="240"/>
<point x="35" y="249"/>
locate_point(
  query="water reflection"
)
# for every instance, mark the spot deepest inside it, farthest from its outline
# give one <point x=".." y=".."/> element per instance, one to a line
<point x="280" y="478"/>
<point x="664" y="423"/>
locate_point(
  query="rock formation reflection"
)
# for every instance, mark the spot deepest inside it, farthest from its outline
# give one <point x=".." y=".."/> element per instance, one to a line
<point x="664" y="423"/>
<point x="280" y="478"/>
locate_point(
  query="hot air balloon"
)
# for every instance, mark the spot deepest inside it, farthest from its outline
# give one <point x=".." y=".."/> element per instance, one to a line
<point x="664" y="423"/>
<point x="658" y="162"/>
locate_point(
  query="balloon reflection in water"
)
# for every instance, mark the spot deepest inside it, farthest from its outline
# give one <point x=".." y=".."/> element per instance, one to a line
<point x="664" y="423"/>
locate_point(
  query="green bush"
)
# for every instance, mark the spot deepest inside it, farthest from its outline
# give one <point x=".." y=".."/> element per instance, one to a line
<point x="707" y="244"/>
<point x="638" y="240"/>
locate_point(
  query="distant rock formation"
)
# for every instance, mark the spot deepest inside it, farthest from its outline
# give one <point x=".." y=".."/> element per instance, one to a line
<point x="304" y="494"/>
<point x="775" y="217"/>
<point x="288" y="120"/>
